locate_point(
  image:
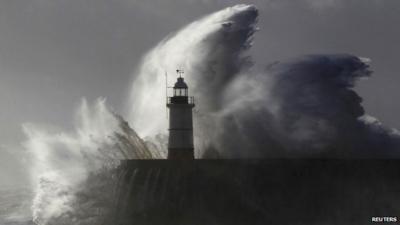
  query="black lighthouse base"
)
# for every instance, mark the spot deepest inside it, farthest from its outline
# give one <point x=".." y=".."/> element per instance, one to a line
<point x="218" y="192"/>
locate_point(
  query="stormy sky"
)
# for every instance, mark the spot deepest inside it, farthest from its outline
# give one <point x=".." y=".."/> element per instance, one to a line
<point x="54" y="52"/>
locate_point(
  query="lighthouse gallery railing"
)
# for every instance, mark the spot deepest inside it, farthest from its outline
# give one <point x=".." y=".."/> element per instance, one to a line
<point x="180" y="100"/>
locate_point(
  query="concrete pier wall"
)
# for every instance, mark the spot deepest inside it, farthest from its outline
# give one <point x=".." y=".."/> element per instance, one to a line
<point x="257" y="191"/>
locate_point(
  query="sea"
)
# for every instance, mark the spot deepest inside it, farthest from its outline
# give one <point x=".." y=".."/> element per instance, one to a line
<point x="15" y="206"/>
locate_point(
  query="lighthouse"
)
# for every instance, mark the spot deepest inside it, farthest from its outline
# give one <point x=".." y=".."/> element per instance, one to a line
<point x="180" y="141"/>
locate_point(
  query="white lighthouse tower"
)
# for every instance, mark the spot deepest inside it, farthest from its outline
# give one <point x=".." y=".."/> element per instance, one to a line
<point x="180" y="142"/>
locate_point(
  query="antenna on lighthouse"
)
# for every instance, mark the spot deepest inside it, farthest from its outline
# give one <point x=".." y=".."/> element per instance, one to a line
<point x="180" y="72"/>
<point x="166" y="94"/>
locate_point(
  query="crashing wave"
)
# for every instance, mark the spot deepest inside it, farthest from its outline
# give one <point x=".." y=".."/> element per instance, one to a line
<point x="72" y="172"/>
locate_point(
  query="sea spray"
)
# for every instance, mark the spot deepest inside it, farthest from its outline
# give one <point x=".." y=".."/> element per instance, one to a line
<point x="211" y="51"/>
<point x="73" y="172"/>
<point x="302" y="107"/>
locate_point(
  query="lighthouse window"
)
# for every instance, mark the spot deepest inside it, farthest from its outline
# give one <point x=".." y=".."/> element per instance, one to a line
<point x="181" y="92"/>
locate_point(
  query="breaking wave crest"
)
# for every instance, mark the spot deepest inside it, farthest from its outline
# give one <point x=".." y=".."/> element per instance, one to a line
<point x="72" y="172"/>
<point x="212" y="52"/>
<point x="302" y="107"/>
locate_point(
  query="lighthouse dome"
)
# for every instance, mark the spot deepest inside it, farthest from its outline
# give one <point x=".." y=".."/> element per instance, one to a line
<point x="180" y="83"/>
